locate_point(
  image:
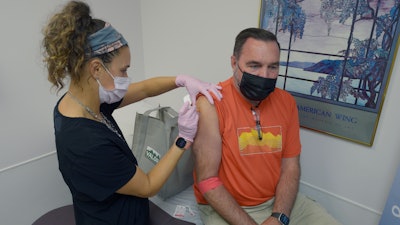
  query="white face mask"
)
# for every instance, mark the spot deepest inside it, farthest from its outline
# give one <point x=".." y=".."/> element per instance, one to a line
<point x="121" y="85"/>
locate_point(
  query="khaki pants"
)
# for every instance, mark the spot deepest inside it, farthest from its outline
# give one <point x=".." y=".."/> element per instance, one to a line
<point x="305" y="212"/>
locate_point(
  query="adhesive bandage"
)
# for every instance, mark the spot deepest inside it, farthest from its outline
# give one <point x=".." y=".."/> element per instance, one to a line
<point x="209" y="184"/>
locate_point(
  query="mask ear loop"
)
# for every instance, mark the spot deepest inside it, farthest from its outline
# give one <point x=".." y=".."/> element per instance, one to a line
<point x="235" y="75"/>
<point x="109" y="73"/>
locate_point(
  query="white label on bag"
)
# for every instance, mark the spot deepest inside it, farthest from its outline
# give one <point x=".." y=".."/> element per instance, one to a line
<point x="152" y="155"/>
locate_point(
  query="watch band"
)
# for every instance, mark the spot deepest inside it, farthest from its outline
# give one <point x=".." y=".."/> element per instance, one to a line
<point x="283" y="219"/>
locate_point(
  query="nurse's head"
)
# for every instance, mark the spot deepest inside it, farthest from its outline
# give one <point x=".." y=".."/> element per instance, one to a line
<point x="84" y="48"/>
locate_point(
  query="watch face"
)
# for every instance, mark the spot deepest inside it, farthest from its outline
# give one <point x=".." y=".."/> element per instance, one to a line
<point x="180" y="142"/>
<point x="281" y="217"/>
<point x="284" y="219"/>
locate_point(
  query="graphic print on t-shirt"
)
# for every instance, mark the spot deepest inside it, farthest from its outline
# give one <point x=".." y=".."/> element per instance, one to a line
<point x="250" y="143"/>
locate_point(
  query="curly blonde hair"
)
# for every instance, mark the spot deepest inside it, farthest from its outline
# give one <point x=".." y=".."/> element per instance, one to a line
<point x="65" y="42"/>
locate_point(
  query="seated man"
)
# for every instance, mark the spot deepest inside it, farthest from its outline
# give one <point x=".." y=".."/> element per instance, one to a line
<point x="247" y="148"/>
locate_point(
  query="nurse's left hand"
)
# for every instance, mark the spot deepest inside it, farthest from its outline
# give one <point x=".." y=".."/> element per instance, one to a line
<point x="195" y="86"/>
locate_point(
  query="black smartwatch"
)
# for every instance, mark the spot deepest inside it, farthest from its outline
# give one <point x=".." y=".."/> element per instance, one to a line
<point x="180" y="142"/>
<point x="281" y="217"/>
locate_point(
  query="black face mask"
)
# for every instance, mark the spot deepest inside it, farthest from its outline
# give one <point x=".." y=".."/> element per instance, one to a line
<point x="256" y="88"/>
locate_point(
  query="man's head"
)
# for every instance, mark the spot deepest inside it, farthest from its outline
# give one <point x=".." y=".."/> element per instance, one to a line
<point x="255" y="33"/>
<point x="255" y="63"/>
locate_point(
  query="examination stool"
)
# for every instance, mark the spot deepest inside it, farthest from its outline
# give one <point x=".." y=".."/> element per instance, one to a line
<point x="65" y="216"/>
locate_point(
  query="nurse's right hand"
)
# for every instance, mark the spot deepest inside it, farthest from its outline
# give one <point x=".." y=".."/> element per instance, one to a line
<point x="187" y="121"/>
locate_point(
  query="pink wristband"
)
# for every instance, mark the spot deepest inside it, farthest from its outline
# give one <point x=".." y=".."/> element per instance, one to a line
<point x="209" y="184"/>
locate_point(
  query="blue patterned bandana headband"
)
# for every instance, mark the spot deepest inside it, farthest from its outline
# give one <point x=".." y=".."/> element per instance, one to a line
<point x="104" y="41"/>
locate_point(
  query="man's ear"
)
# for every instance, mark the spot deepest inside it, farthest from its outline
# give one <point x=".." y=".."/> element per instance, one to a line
<point x="95" y="68"/>
<point x="233" y="63"/>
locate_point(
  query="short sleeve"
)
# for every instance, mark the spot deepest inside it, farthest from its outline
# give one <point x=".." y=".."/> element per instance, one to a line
<point x="292" y="145"/>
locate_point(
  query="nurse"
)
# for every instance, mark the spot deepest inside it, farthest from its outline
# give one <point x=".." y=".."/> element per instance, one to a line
<point x="106" y="184"/>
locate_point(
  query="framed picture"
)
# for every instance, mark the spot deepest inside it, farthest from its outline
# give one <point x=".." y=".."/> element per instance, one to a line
<point x="336" y="60"/>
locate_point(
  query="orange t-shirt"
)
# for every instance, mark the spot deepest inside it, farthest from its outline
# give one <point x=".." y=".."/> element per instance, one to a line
<point x="250" y="168"/>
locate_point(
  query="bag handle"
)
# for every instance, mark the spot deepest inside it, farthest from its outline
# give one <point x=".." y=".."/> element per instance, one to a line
<point x="169" y="121"/>
<point x="161" y="110"/>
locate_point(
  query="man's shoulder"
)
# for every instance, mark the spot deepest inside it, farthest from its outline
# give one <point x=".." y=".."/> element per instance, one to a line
<point x="281" y="91"/>
<point x="278" y="92"/>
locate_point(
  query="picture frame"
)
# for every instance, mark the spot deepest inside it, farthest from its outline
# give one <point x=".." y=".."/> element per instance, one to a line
<point x="336" y="60"/>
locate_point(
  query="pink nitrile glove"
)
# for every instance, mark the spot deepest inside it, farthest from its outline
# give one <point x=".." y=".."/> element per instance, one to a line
<point x="187" y="121"/>
<point x="195" y="86"/>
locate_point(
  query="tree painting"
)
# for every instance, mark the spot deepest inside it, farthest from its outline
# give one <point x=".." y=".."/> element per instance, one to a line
<point x="337" y="51"/>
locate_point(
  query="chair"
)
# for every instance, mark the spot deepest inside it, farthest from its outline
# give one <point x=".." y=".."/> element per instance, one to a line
<point x="61" y="216"/>
<point x="65" y="216"/>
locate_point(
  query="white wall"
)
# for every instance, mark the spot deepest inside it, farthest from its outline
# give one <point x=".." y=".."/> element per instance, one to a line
<point x="167" y="38"/>
<point x="196" y="37"/>
<point x="193" y="37"/>
<point x="30" y="183"/>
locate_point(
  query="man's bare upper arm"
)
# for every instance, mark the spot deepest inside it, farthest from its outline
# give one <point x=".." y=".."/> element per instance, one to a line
<point x="207" y="143"/>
